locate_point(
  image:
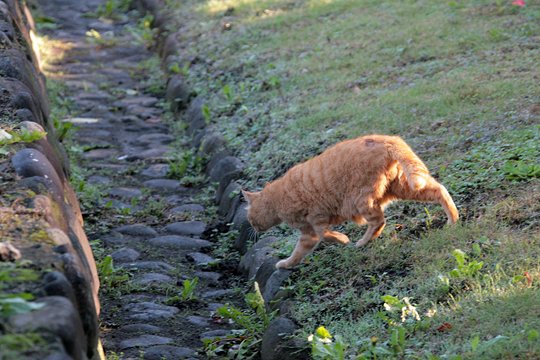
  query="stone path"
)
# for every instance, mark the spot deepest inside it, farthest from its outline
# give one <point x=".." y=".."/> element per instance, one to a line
<point x="158" y="230"/>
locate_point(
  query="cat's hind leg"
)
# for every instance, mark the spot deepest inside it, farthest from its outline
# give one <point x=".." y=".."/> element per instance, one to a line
<point x="435" y="192"/>
<point x="375" y="220"/>
<point x="306" y="243"/>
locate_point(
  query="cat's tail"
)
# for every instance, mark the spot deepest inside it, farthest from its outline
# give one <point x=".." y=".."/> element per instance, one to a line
<point x="415" y="170"/>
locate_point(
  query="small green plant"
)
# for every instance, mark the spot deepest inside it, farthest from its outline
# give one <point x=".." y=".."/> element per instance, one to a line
<point x="102" y="40"/>
<point x="175" y="68"/>
<point x="228" y="92"/>
<point x="45" y="23"/>
<point x="253" y="321"/>
<point x="206" y="113"/>
<point x="14" y="137"/>
<point x="144" y="33"/>
<point x="14" y="345"/>
<point x="113" y="9"/>
<point x="465" y="269"/>
<point x="520" y="170"/>
<point x="108" y="274"/>
<point x="187" y="163"/>
<point x="188" y="289"/>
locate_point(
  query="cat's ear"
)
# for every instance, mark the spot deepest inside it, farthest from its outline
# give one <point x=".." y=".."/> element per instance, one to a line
<point x="249" y="196"/>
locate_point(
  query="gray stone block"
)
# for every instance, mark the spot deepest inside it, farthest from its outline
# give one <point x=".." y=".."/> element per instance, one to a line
<point x="177" y="93"/>
<point x="278" y="344"/>
<point x="58" y="317"/>
<point x="256" y="256"/>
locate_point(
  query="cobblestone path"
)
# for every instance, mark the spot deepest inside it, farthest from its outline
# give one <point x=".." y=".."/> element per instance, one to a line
<point x="151" y="225"/>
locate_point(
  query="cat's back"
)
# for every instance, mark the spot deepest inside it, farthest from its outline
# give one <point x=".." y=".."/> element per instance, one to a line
<point x="331" y="176"/>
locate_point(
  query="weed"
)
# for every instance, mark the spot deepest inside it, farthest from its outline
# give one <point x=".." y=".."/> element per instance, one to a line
<point x="465" y="269"/>
<point x="187" y="163"/>
<point x="15" y="137"/>
<point x="104" y="40"/>
<point x="188" y="289"/>
<point x="175" y="68"/>
<point x="144" y="33"/>
<point x="109" y="275"/>
<point x="253" y="322"/>
<point x="14" y="345"/>
<point x="113" y="9"/>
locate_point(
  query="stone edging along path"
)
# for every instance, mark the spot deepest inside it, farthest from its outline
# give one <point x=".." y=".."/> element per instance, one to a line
<point x="40" y="221"/>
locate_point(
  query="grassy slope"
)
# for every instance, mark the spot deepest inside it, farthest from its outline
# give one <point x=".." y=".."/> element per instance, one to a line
<point x="459" y="81"/>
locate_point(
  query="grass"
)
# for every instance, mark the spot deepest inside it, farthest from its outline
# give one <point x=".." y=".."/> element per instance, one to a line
<point x="457" y="80"/>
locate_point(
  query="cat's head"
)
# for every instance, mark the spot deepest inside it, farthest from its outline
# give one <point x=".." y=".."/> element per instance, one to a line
<point x="261" y="214"/>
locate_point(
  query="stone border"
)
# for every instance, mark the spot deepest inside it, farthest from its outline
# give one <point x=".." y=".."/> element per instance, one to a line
<point x="69" y="287"/>
<point x="258" y="261"/>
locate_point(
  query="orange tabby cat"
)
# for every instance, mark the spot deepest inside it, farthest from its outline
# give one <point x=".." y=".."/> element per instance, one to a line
<point x="352" y="180"/>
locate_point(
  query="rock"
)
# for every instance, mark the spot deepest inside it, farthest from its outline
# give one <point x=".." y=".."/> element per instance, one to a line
<point x="273" y="285"/>
<point x="266" y="270"/>
<point x="200" y="259"/>
<point x="100" y="154"/>
<point x="157" y="153"/>
<point x="59" y="317"/>
<point x="187" y="208"/>
<point x="209" y="275"/>
<point x="210" y="335"/>
<point x="163" y="184"/>
<point x="144" y="341"/>
<point x="136" y="230"/>
<point x="143" y="101"/>
<point x="194" y="116"/>
<point x="139" y="328"/>
<point x="148" y="265"/>
<point x="186" y="228"/>
<point x="257" y="255"/>
<point x="156" y="171"/>
<point x="214" y="306"/>
<point x="161" y="352"/>
<point x="180" y="242"/>
<point x="278" y="343"/>
<point x="148" y="139"/>
<point x="177" y="93"/>
<point x="56" y="284"/>
<point x="246" y="233"/>
<point x="211" y="143"/>
<point x="125" y="255"/>
<point x="59" y="356"/>
<point x="225" y="166"/>
<point x="229" y="200"/>
<point x="125" y="192"/>
<point x="154" y="279"/>
<point x="30" y="163"/>
<point x="148" y="311"/>
<point x="198" y="320"/>
<point x="224" y="183"/>
<point x="213" y="294"/>
<point x="99" y="180"/>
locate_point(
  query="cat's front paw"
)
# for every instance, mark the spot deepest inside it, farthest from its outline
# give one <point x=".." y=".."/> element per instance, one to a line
<point x="283" y="264"/>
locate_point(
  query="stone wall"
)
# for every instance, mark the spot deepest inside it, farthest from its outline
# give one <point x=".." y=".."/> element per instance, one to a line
<point x="258" y="260"/>
<point x="41" y="227"/>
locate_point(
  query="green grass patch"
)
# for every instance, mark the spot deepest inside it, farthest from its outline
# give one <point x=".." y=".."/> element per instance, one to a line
<point x="282" y="80"/>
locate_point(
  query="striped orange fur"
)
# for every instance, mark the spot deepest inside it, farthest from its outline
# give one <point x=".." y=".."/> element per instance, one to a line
<point x="352" y="180"/>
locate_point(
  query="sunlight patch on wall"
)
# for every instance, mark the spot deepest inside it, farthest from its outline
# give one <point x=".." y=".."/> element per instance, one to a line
<point x="47" y="50"/>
